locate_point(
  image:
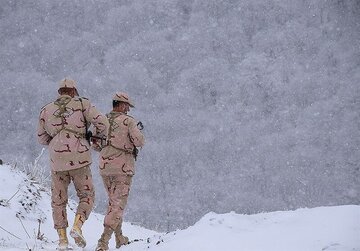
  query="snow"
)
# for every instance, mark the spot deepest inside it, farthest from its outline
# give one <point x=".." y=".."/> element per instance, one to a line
<point x="256" y="97"/>
<point x="23" y="202"/>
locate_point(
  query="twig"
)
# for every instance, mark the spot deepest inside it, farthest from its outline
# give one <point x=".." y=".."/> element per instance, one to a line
<point x="9" y="233"/>
<point x="13" y="195"/>
<point x="39" y="235"/>
<point x="38" y="157"/>
<point x="23" y="226"/>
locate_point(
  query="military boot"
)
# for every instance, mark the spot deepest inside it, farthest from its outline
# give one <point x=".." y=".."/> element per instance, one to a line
<point x="103" y="243"/>
<point x="120" y="238"/>
<point x="63" y="240"/>
<point x="76" y="232"/>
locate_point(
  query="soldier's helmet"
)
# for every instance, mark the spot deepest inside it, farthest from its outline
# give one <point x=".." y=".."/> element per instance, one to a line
<point x="68" y="83"/>
<point x="123" y="97"/>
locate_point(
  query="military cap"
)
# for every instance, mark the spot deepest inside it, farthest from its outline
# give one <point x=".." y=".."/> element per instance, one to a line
<point x="123" y="97"/>
<point x="67" y="83"/>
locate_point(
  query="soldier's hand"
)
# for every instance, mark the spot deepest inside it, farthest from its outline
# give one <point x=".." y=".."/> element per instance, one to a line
<point x="96" y="147"/>
<point x="93" y="141"/>
<point x="140" y="125"/>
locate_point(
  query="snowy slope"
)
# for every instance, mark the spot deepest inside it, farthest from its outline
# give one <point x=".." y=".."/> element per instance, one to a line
<point x="23" y="203"/>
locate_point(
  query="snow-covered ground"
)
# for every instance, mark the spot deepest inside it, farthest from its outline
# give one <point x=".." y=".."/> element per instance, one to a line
<point x="26" y="224"/>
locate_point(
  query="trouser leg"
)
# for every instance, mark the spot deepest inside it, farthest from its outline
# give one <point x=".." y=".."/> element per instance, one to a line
<point x="117" y="187"/>
<point x="59" y="197"/>
<point x="84" y="187"/>
<point x="85" y="191"/>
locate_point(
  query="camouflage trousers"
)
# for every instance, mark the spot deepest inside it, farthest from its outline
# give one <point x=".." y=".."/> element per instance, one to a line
<point x="118" y="188"/>
<point x="83" y="184"/>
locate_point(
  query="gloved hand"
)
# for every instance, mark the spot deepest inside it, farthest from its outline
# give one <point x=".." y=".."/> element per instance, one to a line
<point x="94" y="145"/>
<point x="140" y="125"/>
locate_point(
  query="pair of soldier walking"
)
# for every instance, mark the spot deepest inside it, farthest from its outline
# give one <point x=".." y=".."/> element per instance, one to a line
<point x="63" y="126"/>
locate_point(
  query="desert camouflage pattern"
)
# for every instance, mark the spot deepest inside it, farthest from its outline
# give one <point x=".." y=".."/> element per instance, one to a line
<point x="123" y="136"/>
<point x="123" y="97"/>
<point x="83" y="183"/>
<point x="117" y="165"/>
<point x="118" y="188"/>
<point x="62" y="127"/>
<point x="67" y="83"/>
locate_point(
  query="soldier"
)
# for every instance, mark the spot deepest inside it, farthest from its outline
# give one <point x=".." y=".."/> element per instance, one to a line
<point x="62" y="126"/>
<point x="117" y="161"/>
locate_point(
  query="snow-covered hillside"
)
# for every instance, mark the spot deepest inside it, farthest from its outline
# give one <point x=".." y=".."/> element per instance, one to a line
<point x="26" y="224"/>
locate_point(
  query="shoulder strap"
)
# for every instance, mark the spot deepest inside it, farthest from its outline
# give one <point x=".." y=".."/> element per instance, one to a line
<point x="62" y="109"/>
<point x="82" y="111"/>
<point x="61" y="103"/>
<point x="111" y="118"/>
<point x="88" y="134"/>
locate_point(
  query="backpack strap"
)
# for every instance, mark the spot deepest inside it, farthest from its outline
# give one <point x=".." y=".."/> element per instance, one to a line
<point x="111" y="117"/>
<point x="82" y="111"/>
<point x="62" y="109"/>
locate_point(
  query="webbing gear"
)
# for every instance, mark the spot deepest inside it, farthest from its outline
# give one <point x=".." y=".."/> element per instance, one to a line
<point x="111" y="117"/>
<point x="61" y="113"/>
<point x="61" y="103"/>
<point x="88" y="134"/>
<point x="120" y="149"/>
<point x="82" y="135"/>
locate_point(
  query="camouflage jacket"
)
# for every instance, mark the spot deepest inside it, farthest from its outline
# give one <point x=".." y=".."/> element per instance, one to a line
<point x="117" y="157"/>
<point x="62" y="126"/>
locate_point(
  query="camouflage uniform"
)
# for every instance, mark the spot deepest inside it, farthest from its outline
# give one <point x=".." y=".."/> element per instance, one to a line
<point x="117" y="167"/>
<point x="117" y="163"/>
<point x="62" y="126"/>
